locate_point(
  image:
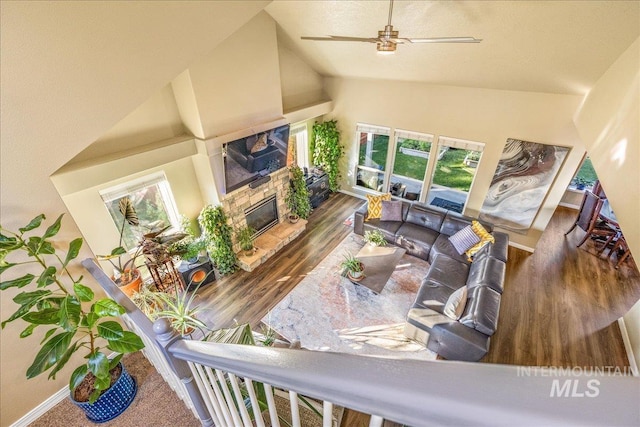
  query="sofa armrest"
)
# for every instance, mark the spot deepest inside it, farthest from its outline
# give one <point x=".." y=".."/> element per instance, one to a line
<point x="358" y="219"/>
<point x="455" y="341"/>
<point x="500" y="248"/>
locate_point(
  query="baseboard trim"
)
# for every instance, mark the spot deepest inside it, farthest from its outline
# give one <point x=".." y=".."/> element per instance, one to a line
<point x="627" y="346"/>
<point x="523" y="247"/>
<point x="350" y="193"/>
<point x="570" y="206"/>
<point x="42" y="408"/>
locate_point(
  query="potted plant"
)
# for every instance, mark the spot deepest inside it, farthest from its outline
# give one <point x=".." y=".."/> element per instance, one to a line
<point x="352" y="268"/>
<point x="213" y="222"/>
<point x="76" y="320"/>
<point x="375" y="238"/>
<point x="245" y="238"/>
<point x="179" y="308"/>
<point x="191" y="247"/>
<point x="327" y="150"/>
<point x="128" y="277"/>
<point x="297" y="198"/>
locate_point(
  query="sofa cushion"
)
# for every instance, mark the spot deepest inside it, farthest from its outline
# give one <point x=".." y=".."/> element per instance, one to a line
<point x="448" y="272"/>
<point x="391" y="210"/>
<point x="442" y="245"/>
<point x="432" y="295"/>
<point x="454" y="306"/>
<point x="426" y="318"/>
<point x="388" y="228"/>
<point x="481" y="312"/>
<point x="374" y="205"/>
<point x="488" y="271"/>
<point x="426" y="216"/>
<point x="416" y="239"/>
<point x="464" y="239"/>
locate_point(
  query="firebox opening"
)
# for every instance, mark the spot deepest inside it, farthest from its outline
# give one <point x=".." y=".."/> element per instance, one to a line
<point x="263" y="215"/>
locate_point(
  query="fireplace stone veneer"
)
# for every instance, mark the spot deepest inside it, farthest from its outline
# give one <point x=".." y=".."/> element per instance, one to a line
<point x="236" y="203"/>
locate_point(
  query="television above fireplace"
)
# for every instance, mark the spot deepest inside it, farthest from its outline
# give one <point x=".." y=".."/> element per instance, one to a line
<point x="253" y="157"/>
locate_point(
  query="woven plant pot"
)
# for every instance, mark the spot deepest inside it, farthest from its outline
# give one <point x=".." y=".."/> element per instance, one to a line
<point x="112" y="402"/>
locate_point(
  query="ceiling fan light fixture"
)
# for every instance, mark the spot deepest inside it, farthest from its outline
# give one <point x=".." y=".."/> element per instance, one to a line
<point x="386" y="48"/>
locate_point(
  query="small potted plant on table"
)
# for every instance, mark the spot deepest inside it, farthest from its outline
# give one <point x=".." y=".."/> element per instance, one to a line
<point x="352" y="268"/>
<point x="375" y="238"/>
<point x="75" y="319"/>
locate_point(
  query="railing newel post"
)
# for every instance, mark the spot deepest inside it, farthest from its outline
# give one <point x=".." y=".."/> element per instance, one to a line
<point x="166" y="336"/>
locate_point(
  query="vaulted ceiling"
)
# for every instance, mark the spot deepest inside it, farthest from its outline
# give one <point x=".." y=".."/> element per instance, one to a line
<point x="541" y="46"/>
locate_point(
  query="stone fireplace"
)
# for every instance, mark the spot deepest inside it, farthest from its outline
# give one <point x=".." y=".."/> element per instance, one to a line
<point x="265" y="205"/>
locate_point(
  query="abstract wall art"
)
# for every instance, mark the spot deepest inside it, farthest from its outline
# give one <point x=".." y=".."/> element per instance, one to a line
<point x="520" y="184"/>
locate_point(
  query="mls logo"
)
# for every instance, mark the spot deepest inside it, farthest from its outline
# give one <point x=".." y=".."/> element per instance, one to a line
<point x="572" y="388"/>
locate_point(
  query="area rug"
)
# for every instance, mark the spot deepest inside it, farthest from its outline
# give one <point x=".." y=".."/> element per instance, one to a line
<point x="326" y="312"/>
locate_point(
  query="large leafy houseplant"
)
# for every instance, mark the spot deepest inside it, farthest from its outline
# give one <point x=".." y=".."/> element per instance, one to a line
<point x="57" y="300"/>
<point x="127" y="271"/>
<point x="327" y="150"/>
<point x="213" y="222"/>
<point x="297" y="198"/>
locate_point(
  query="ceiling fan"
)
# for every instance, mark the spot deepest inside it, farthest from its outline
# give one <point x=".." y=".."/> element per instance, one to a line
<point x="388" y="39"/>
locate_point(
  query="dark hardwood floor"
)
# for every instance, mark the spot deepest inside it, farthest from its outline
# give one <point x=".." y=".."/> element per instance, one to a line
<point x="247" y="297"/>
<point x="559" y="306"/>
<point x="561" y="303"/>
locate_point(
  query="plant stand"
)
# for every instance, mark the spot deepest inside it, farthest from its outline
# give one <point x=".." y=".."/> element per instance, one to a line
<point x="165" y="276"/>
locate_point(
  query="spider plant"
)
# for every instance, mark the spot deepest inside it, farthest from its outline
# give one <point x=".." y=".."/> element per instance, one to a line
<point x="181" y="311"/>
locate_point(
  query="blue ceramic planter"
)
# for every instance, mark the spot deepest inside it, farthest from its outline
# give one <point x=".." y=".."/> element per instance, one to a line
<point x="113" y="402"/>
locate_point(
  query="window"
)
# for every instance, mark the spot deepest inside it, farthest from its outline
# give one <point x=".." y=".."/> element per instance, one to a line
<point x="453" y="173"/>
<point x="151" y="197"/>
<point x="585" y="177"/>
<point x="373" y="147"/>
<point x="409" y="164"/>
<point x="299" y="139"/>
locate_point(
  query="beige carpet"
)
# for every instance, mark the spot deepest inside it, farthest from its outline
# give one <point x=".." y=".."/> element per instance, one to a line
<point x="155" y="404"/>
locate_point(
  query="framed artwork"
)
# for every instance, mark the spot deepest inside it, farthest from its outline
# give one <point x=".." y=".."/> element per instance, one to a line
<point x="520" y="183"/>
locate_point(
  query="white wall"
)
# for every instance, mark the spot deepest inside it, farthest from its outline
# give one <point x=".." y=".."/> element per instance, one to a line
<point x="609" y="124"/>
<point x="238" y="84"/>
<point x="69" y="72"/>
<point x="154" y="120"/>
<point x="482" y="115"/>
<point x="301" y="85"/>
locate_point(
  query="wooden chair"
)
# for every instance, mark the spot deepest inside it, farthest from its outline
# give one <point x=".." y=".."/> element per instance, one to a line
<point x="588" y="219"/>
<point x="598" y="190"/>
<point x="621" y="244"/>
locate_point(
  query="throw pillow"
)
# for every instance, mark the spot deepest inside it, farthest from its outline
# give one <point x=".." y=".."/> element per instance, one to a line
<point x="464" y="239"/>
<point x="260" y="145"/>
<point x="374" y="207"/>
<point x="456" y="303"/>
<point x="391" y="210"/>
<point x="485" y="238"/>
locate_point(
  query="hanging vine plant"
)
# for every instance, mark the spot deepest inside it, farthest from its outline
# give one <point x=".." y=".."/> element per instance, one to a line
<point x="327" y="150"/>
<point x="213" y="222"/>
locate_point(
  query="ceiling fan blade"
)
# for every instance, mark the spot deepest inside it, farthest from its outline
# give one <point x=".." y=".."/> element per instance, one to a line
<point x="342" y="39"/>
<point x="445" y="40"/>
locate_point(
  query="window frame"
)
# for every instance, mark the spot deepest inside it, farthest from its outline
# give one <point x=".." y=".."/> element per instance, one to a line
<point x="125" y="189"/>
<point x="375" y="130"/>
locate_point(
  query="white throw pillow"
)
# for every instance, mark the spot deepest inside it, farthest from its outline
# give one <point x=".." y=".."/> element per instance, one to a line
<point x="456" y="303"/>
